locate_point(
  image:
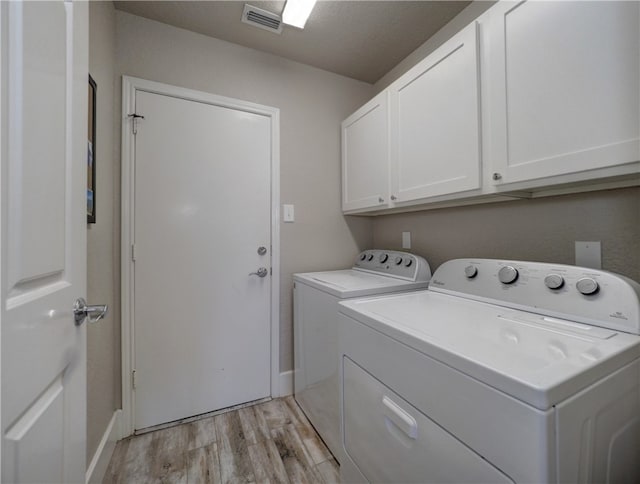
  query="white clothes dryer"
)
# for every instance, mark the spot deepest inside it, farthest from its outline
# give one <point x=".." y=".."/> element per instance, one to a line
<point x="316" y="297"/>
<point x="501" y="371"/>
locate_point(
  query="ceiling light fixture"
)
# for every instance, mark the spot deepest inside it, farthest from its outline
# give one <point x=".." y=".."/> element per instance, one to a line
<point x="296" y="12"/>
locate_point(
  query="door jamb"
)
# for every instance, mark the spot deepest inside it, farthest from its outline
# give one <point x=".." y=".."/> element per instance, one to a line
<point x="129" y="87"/>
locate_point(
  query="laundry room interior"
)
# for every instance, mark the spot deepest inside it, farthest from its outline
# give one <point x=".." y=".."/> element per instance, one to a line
<point x="313" y="102"/>
<point x="408" y="141"/>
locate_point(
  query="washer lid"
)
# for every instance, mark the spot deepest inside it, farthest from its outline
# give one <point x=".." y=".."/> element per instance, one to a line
<point x="535" y="358"/>
<point x="355" y="283"/>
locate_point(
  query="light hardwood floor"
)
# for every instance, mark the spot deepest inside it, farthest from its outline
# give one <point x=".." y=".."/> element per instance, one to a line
<point x="267" y="442"/>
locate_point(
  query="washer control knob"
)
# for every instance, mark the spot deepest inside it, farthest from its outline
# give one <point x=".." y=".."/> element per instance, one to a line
<point x="587" y="286"/>
<point x="470" y="272"/>
<point x="408" y="262"/>
<point x="398" y="260"/>
<point x="369" y="257"/>
<point x="554" y="281"/>
<point x="363" y="256"/>
<point x="508" y="274"/>
<point x="383" y="258"/>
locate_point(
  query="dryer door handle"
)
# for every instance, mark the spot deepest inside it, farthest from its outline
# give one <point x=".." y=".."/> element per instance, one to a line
<point x="400" y="417"/>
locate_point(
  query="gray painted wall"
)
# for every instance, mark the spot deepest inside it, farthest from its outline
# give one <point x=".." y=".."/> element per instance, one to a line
<point x="103" y="238"/>
<point x="460" y="21"/>
<point x="543" y="229"/>
<point x="312" y="104"/>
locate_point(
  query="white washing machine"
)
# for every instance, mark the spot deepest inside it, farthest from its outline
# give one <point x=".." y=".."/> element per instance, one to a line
<point x="499" y="372"/>
<point x="316" y="297"/>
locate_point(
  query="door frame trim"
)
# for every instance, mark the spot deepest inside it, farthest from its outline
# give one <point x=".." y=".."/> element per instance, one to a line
<point x="129" y="87"/>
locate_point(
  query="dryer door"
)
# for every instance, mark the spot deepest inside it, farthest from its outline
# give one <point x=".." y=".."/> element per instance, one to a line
<point x="389" y="440"/>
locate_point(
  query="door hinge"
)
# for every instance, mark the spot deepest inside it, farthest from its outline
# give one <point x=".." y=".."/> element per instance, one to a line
<point x="134" y="121"/>
<point x="133" y="252"/>
<point x="134" y="382"/>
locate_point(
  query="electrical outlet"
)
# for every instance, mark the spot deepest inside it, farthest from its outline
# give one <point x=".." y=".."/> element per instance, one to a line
<point x="589" y="254"/>
<point x="406" y="240"/>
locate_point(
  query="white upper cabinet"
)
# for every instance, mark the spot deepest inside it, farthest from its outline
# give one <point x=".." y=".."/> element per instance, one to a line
<point x="435" y="123"/>
<point x="531" y="99"/>
<point x="365" y="156"/>
<point x="564" y="89"/>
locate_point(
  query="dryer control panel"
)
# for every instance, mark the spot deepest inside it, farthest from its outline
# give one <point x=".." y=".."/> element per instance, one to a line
<point x="394" y="263"/>
<point x="576" y="293"/>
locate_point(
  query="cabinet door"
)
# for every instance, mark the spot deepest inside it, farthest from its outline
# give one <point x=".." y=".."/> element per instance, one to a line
<point x="565" y="90"/>
<point x="435" y="112"/>
<point x="365" y="156"/>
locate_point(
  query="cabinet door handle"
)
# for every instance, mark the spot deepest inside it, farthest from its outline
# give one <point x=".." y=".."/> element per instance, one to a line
<point x="380" y="200"/>
<point x="393" y="197"/>
<point x="400" y="417"/>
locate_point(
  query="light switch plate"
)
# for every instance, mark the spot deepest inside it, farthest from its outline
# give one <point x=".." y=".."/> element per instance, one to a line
<point x="288" y="215"/>
<point x="406" y="240"/>
<point x="589" y="254"/>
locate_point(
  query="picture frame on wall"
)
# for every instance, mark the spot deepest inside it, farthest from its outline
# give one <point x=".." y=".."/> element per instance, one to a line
<point x="91" y="153"/>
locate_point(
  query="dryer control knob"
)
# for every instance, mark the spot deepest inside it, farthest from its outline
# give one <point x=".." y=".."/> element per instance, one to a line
<point x="408" y="262"/>
<point x="587" y="286"/>
<point x="471" y="272"/>
<point x="508" y="274"/>
<point x="370" y="257"/>
<point x="554" y="281"/>
<point x="398" y="260"/>
<point x="363" y="256"/>
<point x="383" y="258"/>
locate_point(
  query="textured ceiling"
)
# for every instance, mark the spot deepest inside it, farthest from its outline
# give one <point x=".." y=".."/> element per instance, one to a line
<point x="358" y="39"/>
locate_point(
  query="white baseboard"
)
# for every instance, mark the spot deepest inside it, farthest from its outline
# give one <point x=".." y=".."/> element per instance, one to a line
<point x="100" y="462"/>
<point x="286" y="383"/>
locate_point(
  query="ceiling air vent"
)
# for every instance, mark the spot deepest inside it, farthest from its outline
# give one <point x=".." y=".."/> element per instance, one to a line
<point x="262" y="19"/>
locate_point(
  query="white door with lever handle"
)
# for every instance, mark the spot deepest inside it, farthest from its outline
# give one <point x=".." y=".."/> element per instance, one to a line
<point x="44" y="229"/>
<point x="202" y="295"/>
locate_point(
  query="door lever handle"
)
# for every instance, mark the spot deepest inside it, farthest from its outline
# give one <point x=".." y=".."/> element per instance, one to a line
<point x="93" y="313"/>
<point x="262" y="272"/>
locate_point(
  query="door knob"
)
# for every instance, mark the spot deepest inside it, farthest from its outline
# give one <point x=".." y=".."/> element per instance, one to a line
<point x="262" y="272"/>
<point x="94" y="313"/>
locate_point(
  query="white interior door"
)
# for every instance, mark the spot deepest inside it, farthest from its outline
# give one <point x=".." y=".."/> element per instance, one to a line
<point x="43" y="264"/>
<point x="202" y="210"/>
